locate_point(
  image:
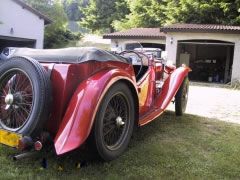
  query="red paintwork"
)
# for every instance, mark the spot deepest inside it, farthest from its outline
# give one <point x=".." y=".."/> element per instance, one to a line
<point x="163" y="99"/>
<point x="79" y="88"/>
<point x="83" y="106"/>
<point x="147" y="90"/>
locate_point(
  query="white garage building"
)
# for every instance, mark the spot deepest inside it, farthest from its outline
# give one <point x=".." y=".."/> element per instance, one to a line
<point x="21" y="25"/>
<point x="212" y="51"/>
<point x="129" y="39"/>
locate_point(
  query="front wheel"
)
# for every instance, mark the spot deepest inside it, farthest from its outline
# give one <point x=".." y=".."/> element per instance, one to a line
<point x="114" y="122"/>
<point x="181" y="98"/>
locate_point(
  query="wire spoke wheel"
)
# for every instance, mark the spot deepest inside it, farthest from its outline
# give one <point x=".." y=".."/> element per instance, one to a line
<point x="115" y="121"/>
<point x="16" y="99"/>
<point x="181" y="97"/>
<point x="185" y="97"/>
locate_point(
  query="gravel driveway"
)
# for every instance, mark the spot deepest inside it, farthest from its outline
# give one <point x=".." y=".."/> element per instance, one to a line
<point x="213" y="102"/>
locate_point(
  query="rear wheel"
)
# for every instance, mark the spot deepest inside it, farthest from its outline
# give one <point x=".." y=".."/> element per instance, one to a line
<point x="181" y="98"/>
<point x="24" y="96"/>
<point x="114" y="122"/>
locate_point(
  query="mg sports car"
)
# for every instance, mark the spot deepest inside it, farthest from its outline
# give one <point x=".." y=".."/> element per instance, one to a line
<point x="76" y="96"/>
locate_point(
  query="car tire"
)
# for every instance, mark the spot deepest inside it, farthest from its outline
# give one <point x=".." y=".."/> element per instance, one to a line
<point x="181" y="97"/>
<point x="29" y="85"/>
<point x="114" y="122"/>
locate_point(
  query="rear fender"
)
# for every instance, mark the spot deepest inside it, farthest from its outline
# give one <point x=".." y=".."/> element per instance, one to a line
<point x="171" y="86"/>
<point x="79" y="117"/>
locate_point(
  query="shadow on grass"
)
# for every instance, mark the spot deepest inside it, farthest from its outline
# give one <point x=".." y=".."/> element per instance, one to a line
<point x="180" y="147"/>
<point x="140" y="135"/>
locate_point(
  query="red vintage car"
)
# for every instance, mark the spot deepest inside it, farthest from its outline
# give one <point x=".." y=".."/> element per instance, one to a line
<point x="79" y="95"/>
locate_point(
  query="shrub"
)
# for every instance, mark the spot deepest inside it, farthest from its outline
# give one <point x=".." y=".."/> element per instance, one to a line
<point x="60" y="38"/>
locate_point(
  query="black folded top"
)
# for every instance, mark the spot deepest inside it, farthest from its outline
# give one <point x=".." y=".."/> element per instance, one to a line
<point x="68" y="55"/>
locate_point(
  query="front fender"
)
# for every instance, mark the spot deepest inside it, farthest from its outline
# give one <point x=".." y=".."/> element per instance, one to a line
<point x="169" y="89"/>
<point x="79" y="117"/>
<point x="171" y="86"/>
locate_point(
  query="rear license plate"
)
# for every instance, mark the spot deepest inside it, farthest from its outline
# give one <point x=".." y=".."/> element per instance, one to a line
<point x="9" y="138"/>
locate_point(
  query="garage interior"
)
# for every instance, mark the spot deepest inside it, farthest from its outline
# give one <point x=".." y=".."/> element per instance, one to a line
<point x="16" y="42"/>
<point x="211" y="61"/>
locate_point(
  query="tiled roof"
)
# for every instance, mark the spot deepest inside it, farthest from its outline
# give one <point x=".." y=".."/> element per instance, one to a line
<point x="200" y="28"/>
<point x="34" y="11"/>
<point x="134" y="33"/>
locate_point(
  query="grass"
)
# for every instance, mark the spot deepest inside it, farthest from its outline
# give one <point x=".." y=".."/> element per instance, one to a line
<point x="188" y="147"/>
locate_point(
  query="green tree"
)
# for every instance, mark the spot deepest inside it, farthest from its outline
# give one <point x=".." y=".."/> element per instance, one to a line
<point x="100" y="14"/>
<point x="203" y="11"/>
<point x="155" y="13"/>
<point x="56" y="34"/>
<point x="142" y="14"/>
<point x="74" y="9"/>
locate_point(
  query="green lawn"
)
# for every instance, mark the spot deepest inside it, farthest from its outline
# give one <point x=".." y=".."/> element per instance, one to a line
<point x="188" y="147"/>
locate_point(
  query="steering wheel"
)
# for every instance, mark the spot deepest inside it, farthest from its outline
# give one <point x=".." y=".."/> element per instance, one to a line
<point x="133" y="57"/>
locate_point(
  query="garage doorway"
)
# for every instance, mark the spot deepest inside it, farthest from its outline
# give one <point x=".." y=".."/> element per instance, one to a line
<point x="210" y="60"/>
<point x="16" y="42"/>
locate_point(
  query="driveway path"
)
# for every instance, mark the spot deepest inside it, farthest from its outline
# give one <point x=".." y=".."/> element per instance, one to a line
<point x="214" y="102"/>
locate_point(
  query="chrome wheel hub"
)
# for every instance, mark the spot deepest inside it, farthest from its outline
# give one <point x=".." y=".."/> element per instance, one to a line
<point x="119" y="121"/>
<point x="8" y="100"/>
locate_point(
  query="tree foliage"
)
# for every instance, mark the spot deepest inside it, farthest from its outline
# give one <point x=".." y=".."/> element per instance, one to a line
<point x="204" y="11"/>
<point x="109" y="15"/>
<point x="155" y="13"/>
<point x="142" y="14"/>
<point x="74" y="9"/>
<point x="56" y="34"/>
<point x="100" y="14"/>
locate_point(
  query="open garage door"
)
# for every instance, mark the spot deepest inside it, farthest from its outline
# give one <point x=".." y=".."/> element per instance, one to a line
<point x="210" y="60"/>
<point x="16" y="42"/>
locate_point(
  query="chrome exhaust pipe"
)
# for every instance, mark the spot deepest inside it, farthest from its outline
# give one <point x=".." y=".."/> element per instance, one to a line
<point x="24" y="155"/>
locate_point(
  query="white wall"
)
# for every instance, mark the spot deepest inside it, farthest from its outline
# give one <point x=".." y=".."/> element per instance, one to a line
<point x="173" y="38"/>
<point x="25" y="24"/>
<point x="236" y="63"/>
<point x="122" y="42"/>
